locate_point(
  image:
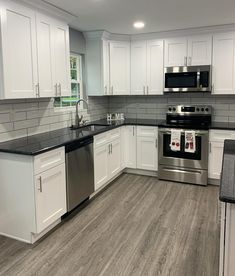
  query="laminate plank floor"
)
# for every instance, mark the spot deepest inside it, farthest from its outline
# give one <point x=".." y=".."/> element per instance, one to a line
<point x="137" y="226"/>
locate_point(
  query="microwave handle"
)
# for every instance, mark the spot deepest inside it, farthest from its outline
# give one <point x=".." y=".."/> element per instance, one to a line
<point x="198" y="80"/>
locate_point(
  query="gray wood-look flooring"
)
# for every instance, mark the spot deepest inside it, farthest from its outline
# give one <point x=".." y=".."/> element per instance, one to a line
<point x="138" y="226"/>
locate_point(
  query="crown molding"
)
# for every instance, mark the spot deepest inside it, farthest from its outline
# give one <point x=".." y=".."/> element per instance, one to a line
<point x="105" y="35"/>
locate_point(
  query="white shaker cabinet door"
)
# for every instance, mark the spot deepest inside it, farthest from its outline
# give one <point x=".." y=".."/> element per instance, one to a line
<point x="223" y="70"/>
<point x="101" y="165"/>
<point x="199" y="50"/>
<point x="115" y="158"/>
<point x="62" y="69"/>
<point x="50" y="190"/>
<point x="19" y="55"/>
<point x="120" y="68"/>
<point x="176" y="52"/>
<point x="155" y="67"/>
<point x="138" y="68"/>
<point x="46" y="58"/>
<point x="215" y="159"/>
<point x="130" y="147"/>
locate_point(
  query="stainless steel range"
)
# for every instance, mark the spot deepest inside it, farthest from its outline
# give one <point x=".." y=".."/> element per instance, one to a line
<point x="183" y="144"/>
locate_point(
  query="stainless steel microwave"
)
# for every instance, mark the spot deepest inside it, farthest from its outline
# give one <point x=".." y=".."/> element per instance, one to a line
<point x="188" y="79"/>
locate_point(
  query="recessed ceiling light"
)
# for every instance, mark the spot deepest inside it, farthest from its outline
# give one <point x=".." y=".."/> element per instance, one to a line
<point x="139" y="25"/>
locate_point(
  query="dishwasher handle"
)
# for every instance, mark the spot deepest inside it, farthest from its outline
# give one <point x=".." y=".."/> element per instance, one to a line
<point x="78" y="144"/>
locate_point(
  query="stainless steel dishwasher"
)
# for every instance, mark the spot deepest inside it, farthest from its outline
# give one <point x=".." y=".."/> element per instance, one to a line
<point x="79" y="172"/>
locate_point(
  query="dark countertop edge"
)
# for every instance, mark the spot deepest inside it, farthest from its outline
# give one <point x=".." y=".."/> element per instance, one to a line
<point x="227" y="199"/>
<point x="109" y="127"/>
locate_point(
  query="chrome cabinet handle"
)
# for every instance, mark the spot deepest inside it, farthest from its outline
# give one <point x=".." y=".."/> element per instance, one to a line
<point x="156" y="143"/>
<point x="59" y="88"/>
<point x="37" y="90"/>
<point x="185" y="61"/>
<point x="40" y="184"/>
<point x="56" y="90"/>
<point x="189" y="60"/>
<point x="133" y="131"/>
<point x="111" y="148"/>
<point x="105" y="90"/>
<point x="210" y="147"/>
<point x="144" y="89"/>
<point x="213" y="88"/>
<point x="147" y="89"/>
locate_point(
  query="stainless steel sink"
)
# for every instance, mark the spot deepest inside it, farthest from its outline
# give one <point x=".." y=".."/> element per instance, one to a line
<point x="91" y="128"/>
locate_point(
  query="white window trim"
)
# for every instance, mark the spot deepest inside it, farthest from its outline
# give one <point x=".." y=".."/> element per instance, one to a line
<point x="80" y="81"/>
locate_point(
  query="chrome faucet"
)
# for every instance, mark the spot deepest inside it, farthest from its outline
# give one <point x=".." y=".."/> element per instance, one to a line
<point x="78" y="119"/>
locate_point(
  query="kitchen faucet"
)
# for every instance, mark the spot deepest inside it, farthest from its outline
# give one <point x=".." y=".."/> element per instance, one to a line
<point x="78" y="119"/>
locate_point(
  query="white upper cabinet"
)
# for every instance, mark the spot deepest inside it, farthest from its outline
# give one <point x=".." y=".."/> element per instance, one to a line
<point x="187" y="51"/>
<point x="120" y="68"/>
<point x="105" y="63"/>
<point x="19" y="56"/>
<point x="176" y="52"/>
<point x="62" y="71"/>
<point x="138" y="68"/>
<point x="223" y="71"/>
<point x="155" y="55"/>
<point x="34" y="54"/>
<point x="46" y="58"/>
<point x="199" y="50"/>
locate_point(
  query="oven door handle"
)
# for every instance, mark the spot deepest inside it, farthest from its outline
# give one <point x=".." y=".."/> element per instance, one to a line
<point x="182" y="134"/>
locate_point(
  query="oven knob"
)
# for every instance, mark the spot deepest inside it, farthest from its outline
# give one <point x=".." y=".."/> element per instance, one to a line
<point x="197" y="109"/>
<point x="174" y="109"/>
<point x="202" y="109"/>
<point x="207" y="109"/>
<point x="169" y="109"/>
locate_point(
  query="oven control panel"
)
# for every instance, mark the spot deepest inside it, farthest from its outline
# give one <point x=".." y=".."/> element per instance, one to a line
<point x="189" y="109"/>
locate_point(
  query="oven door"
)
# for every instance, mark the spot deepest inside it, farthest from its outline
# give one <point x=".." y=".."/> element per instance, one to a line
<point x="197" y="160"/>
<point x="187" y="79"/>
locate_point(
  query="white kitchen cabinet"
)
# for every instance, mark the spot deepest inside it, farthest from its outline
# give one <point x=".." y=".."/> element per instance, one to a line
<point x="188" y="51"/>
<point x="119" y="68"/>
<point x="147" y="148"/>
<point x="227" y="240"/>
<point x="139" y="68"/>
<point x="97" y="66"/>
<point x="176" y="52"/>
<point x="199" y="50"/>
<point x="130" y="146"/>
<point x="50" y="196"/>
<point x="216" y="147"/>
<point x="33" y="198"/>
<point x="223" y="71"/>
<point x="101" y="164"/>
<point x="62" y="54"/>
<point x="46" y="57"/>
<point x="19" y="55"/>
<point x="155" y="67"/>
<point x="107" y="156"/>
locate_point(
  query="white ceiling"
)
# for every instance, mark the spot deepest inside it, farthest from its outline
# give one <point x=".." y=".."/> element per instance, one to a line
<point x="117" y="16"/>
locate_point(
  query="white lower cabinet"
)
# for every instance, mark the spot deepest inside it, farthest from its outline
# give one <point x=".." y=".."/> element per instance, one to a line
<point x="147" y="148"/>
<point x="130" y="147"/>
<point x="32" y="207"/>
<point x="107" y="156"/>
<point x="50" y="196"/>
<point x="216" y="148"/>
<point x="227" y="240"/>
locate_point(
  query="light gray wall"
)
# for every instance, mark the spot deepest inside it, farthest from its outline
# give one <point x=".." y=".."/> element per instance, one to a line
<point x="77" y="42"/>
<point x="154" y="107"/>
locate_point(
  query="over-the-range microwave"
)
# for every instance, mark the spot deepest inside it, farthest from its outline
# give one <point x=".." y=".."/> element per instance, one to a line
<point x="188" y="79"/>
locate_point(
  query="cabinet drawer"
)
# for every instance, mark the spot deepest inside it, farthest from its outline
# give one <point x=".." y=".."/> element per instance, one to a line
<point x="146" y="131"/>
<point x="49" y="160"/>
<point x="101" y="139"/>
<point x="114" y="134"/>
<point x="221" y="135"/>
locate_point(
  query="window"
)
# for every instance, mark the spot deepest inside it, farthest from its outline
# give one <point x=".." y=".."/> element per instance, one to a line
<point x="76" y="83"/>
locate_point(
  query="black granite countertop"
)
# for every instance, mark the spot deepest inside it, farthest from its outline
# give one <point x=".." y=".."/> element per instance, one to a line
<point x="37" y="144"/>
<point x="227" y="185"/>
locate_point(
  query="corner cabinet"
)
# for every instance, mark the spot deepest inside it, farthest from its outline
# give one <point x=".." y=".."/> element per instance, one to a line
<point x="224" y="63"/>
<point x="39" y="65"/>
<point x="35" y="194"/>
